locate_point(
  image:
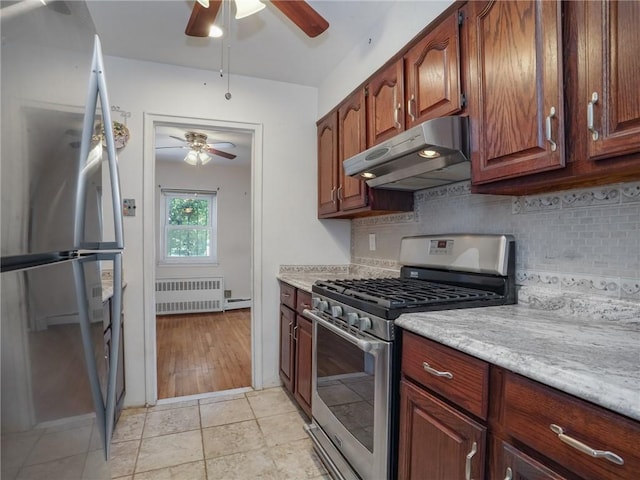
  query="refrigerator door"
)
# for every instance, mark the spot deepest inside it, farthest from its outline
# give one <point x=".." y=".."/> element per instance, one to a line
<point x="48" y="59"/>
<point x="54" y="422"/>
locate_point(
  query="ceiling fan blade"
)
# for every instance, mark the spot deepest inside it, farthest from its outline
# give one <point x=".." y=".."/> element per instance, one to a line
<point x="202" y="18"/>
<point x="303" y="15"/>
<point x="176" y="146"/>
<point x="220" y="153"/>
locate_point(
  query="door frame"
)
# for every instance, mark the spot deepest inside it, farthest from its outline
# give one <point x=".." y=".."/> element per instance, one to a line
<point x="149" y="256"/>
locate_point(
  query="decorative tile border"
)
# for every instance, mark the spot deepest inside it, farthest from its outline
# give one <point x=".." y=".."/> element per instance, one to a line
<point x="631" y="193"/>
<point x="611" y="287"/>
<point x="608" y="195"/>
<point x="393" y="219"/>
<point x="535" y="204"/>
<point x="334" y="269"/>
<point x="543" y="279"/>
<point x="452" y="190"/>
<point x="630" y="289"/>
<point x="377" y="262"/>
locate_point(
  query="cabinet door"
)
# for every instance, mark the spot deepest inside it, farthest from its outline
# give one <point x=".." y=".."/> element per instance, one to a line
<point x="287" y="351"/>
<point x="304" y="342"/>
<point x="436" y="441"/>
<point x="352" y="192"/>
<point x="613" y="68"/>
<point x="433" y="74"/>
<point x="328" y="165"/>
<point x="516" y="100"/>
<point x="385" y="104"/>
<point x="512" y="464"/>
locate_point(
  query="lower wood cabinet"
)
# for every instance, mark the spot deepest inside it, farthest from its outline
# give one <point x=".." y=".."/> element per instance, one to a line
<point x="296" y="341"/>
<point x="532" y="431"/>
<point x="510" y="464"/>
<point x="437" y="441"/>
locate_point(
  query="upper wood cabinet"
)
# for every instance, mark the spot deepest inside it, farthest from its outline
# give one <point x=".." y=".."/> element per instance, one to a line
<point x="328" y="165"/>
<point x="612" y="64"/>
<point x="342" y="134"/>
<point x="432" y="69"/>
<point x="385" y="104"/>
<point x="352" y="192"/>
<point x="516" y="101"/>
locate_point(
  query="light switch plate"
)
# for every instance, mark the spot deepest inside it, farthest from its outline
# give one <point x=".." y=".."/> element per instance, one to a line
<point x="128" y="207"/>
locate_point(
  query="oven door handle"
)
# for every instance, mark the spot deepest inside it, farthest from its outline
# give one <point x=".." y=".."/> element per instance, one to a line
<point x="364" y="345"/>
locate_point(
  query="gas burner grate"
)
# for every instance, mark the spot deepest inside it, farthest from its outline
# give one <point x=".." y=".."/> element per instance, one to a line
<point x="405" y="293"/>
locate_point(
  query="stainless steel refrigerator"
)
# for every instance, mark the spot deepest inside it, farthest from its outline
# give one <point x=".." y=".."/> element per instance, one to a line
<point x="61" y="246"/>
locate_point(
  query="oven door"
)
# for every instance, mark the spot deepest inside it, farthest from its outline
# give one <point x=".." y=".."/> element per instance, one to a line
<point x="351" y="396"/>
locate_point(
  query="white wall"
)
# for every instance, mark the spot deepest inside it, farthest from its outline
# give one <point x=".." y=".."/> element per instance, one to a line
<point x="233" y="197"/>
<point x="291" y="233"/>
<point x="405" y="19"/>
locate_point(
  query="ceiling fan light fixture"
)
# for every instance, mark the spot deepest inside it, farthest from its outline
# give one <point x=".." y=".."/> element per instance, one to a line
<point x="244" y="8"/>
<point x="215" y="31"/>
<point x="191" y="158"/>
<point x="203" y="158"/>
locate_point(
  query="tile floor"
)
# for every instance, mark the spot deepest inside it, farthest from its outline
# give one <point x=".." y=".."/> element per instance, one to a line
<point x="253" y="435"/>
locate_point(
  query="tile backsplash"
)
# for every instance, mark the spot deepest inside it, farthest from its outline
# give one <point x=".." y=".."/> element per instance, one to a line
<point x="585" y="240"/>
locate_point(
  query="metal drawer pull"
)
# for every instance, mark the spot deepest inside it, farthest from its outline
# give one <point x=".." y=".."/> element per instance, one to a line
<point x="467" y="466"/>
<point x="437" y="373"/>
<point x="509" y="474"/>
<point x="552" y="114"/>
<point x="295" y="330"/>
<point x="409" y="109"/>
<point x="578" y="445"/>
<point x="396" y="122"/>
<point x="590" y="126"/>
<point x="286" y="295"/>
<point x="333" y="195"/>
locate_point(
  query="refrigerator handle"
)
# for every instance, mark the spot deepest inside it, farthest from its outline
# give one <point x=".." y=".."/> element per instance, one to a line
<point x="97" y="88"/>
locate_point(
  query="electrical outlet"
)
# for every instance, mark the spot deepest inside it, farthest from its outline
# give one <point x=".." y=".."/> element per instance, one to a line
<point x="128" y="207"/>
<point x="372" y="242"/>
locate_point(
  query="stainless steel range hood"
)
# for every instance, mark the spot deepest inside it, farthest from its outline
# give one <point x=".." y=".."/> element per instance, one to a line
<point x="433" y="153"/>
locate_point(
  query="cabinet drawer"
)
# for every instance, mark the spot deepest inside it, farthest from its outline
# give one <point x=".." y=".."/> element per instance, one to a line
<point x="463" y="379"/>
<point x="531" y="408"/>
<point x="288" y="295"/>
<point x="303" y="300"/>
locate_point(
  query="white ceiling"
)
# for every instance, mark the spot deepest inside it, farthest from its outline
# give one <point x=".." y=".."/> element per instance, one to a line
<point x="265" y="45"/>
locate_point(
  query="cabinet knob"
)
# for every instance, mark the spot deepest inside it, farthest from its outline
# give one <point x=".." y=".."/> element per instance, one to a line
<point x="590" y="125"/>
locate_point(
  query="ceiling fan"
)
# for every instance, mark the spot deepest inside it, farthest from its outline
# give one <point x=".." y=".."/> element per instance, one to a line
<point x="200" y="150"/>
<point x="298" y="11"/>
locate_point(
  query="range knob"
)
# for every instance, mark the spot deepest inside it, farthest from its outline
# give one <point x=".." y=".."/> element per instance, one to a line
<point x="336" y="311"/>
<point x="314" y="302"/>
<point x="352" y="318"/>
<point x="323" y="305"/>
<point x="365" y="323"/>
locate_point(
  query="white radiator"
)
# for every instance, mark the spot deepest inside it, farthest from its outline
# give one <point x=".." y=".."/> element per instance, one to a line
<point x="182" y="295"/>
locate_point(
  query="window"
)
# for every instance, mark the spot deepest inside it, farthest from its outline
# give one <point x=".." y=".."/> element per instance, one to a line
<point x="189" y="225"/>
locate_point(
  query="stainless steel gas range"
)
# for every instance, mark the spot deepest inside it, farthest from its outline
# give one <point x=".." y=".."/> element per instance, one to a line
<point x="356" y="353"/>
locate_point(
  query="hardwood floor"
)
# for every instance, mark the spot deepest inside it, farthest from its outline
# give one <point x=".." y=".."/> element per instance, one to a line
<point x="203" y="352"/>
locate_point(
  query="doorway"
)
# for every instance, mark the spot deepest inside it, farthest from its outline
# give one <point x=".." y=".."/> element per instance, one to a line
<point x="203" y="337"/>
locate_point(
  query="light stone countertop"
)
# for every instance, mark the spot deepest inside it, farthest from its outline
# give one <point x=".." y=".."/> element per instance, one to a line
<point x="586" y="347"/>
<point x="304" y="276"/>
